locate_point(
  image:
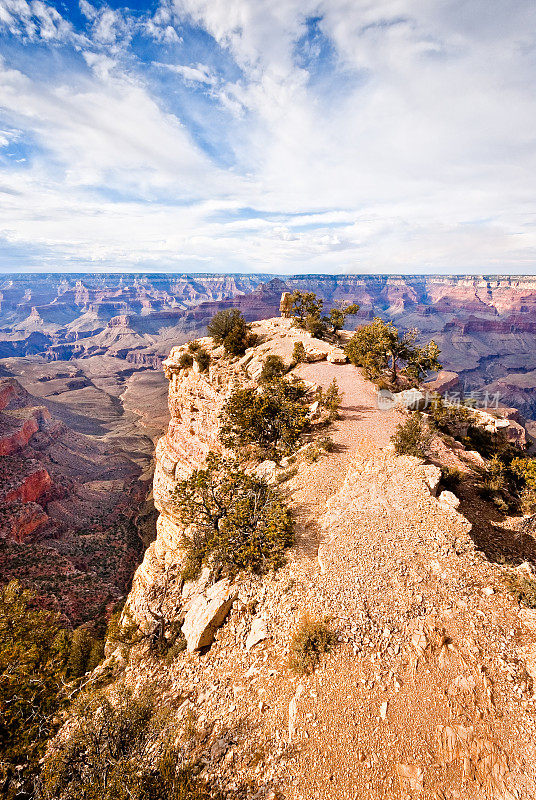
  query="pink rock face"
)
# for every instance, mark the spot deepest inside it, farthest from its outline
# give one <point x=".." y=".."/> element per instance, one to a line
<point x="32" y="487"/>
<point x="17" y="439"/>
<point x="7" y="392"/>
<point x="22" y="521"/>
<point x="443" y="382"/>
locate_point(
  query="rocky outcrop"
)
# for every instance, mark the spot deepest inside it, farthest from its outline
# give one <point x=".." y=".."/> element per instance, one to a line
<point x="206" y="612"/>
<point x="428" y="682"/>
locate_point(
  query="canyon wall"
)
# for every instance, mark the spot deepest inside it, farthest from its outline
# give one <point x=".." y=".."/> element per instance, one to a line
<point x="485" y="325"/>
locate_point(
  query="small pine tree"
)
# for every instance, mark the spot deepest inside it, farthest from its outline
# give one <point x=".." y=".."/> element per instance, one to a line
<point x="305" y="304"/>
<point x="332" y="400"/>
<point x="228" y="327"/>
<point x="271" y="420"/>
<point x="273" y="367"/>
<point x="412" y="437"/>
<point x="337" y="316"/>
<point x="238" y="521"/>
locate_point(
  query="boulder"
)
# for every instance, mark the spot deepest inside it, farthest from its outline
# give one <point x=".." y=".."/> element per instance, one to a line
<point x="266" y="471"/>
<point x="258" y="632"/>
<point x="337" y="356"/>
<point x="206" y="613"/>
<point x="313" y="354"/>
<point x="449" y="500"/>
<point x="432" y="476"/>
<point x="313" y="408"/>
<point x="412" y="399"/>
<point x="254" y="369"/>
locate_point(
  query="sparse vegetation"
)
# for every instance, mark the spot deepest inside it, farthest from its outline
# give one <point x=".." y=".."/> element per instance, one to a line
<point x="34" y="663"/>
<point x="331" y="400"/>
<point x="229" y="328"/>
<point x="196" y="352"/>
<point x="450" y="478"/>
<point x="412" y="437"/>
<point x="186" y="360"/>
<point x="523" y="587"/>
<point x="452" y="419"/>
<point x="237" y="521"/>
<point x="202" y="359"/>
<point x="309" y="643"/>
<point x="119" y="748"/>
<point x="298" y="354"/>
<point x="268" y="420"/>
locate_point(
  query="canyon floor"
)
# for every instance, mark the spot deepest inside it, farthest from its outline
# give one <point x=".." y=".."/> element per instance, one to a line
<point x="77" y="442"/>
<point x="428" y="692"/>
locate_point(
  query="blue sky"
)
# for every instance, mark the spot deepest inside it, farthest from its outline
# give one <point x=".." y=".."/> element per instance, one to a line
<point x="267" y="136"/>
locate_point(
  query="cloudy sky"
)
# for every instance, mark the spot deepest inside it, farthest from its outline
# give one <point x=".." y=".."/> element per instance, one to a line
<point x="268" y="136"/>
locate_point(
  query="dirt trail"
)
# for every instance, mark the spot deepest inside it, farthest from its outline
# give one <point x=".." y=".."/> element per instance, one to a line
<point x="415" y="701"/>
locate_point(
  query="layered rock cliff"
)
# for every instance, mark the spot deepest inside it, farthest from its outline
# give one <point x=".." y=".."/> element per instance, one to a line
<point x="429" y="689"/>
<point x="68" y="509"/>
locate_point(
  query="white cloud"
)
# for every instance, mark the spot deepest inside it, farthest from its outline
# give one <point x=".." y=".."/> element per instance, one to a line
<point x="411" y="149"/>
<point x="198" y="74"/>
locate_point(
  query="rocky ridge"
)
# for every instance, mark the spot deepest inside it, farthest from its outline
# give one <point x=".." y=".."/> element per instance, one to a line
<point x="429" y="691"/>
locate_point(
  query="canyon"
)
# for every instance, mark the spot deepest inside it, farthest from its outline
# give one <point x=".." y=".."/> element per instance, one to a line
<point x="84" y="355"/>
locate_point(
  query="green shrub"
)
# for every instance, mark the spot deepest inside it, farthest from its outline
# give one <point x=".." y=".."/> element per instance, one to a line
<point x="228" y="327"/>
<point x="119" y="750"/>
<point x="450" y="419"/>
<point x="273" y="367"/>
<point x="331" y="400"/>
<point x="412" y="437"/>
<point x="312" y="639"/>
<point x="237" y="521"/>
<point x="86" y="652"/>
<point x="450" y="478"/>
<point x="523" y="587"/>
<point x="194" y="346"/>
<point x="202" y="359"/>
<point x="185" y="360"/>
<point x="327" y="444"/>
<point x="315" y="325"/>
<point x="298" y="354"/>
<point x="34" y="657"/>
<point x="270" y="421"/>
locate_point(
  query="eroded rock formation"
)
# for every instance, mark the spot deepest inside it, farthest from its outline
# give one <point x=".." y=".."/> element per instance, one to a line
<point x="429" y="687"/>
